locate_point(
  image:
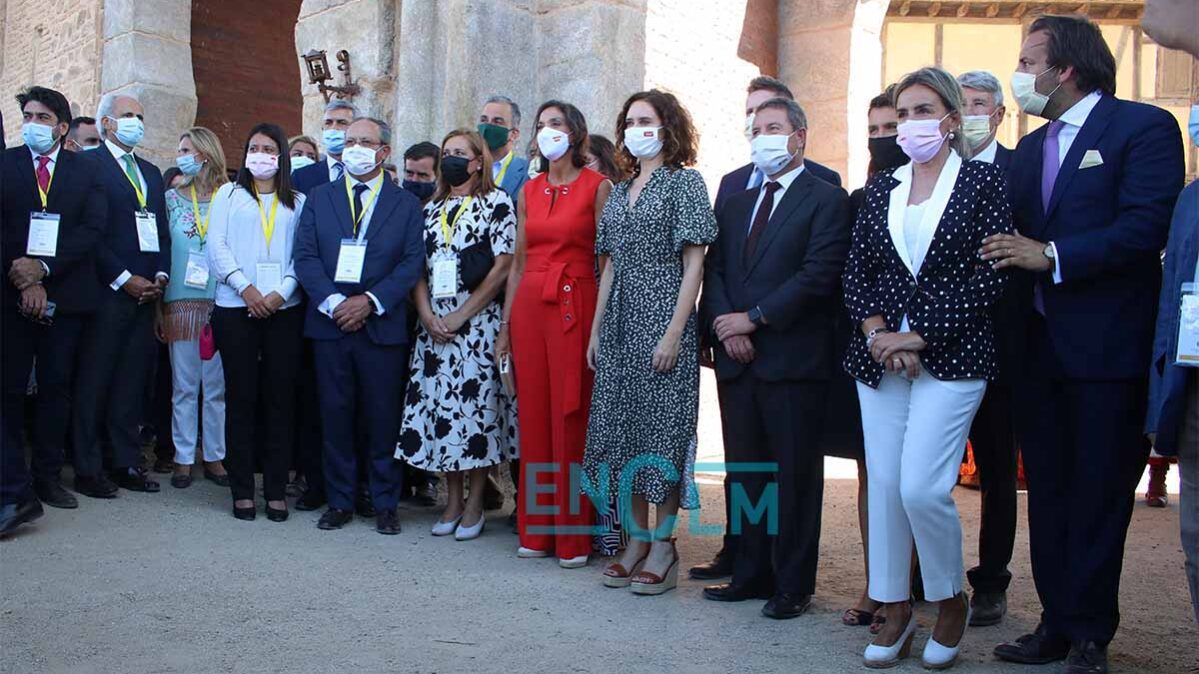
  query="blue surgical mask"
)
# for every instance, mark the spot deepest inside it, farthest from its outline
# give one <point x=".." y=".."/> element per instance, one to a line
<point x="39" y="137"/>
<point x="300" y="162"/>
<point x="130" y="130"/>
<point x="335" y="140"/>
<point x="1193" y="127"/>
<point x="188" y="165"/>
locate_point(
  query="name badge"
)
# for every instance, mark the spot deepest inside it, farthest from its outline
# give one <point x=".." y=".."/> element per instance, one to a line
<point x="1188" y="327"/>
<point x="350" y="260"/>
<point x="196" y="275"/>
<point x="445" y="279"/>
<point x="147" y="232"/>
<point x="43" y="234"/>
<point x="268" y="276"/>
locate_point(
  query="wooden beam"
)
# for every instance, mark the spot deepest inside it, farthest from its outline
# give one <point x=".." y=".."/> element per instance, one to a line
<point x="905" y="8"/>
<point x="992" y="10"/>
<point x="1020" y="10"/>
<point x="934" y="9"/>
<point x="963" y="10"/>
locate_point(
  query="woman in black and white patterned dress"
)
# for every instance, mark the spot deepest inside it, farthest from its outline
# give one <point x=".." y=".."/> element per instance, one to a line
<point x="457" y="417"/>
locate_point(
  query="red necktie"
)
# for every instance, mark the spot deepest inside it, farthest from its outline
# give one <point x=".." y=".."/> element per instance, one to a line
<point x="760" y="220"/>
<point x="43" y="174"/>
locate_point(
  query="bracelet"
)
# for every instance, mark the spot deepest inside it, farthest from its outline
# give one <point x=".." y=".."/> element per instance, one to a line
<point x="872" y="335"/>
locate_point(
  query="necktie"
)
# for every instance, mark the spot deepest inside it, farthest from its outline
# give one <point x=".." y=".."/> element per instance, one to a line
<point x="1050" y="162"/>
<point x="760" y="219"/>
<point x="43" y="173"/>
<point x="131" y="170"/>
<point x="338" y="171"/>
<point x="359" y="189"/>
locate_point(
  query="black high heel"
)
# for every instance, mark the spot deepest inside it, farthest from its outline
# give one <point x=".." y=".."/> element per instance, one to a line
<point x="276" y="515"/>
<point x="247" y="514"/>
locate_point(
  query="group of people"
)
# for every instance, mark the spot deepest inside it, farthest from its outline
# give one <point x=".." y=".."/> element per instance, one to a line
<point x="475" y="307"/>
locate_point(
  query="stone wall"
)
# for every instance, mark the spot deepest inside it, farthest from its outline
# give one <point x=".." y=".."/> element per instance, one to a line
<point x="53" y="43"/>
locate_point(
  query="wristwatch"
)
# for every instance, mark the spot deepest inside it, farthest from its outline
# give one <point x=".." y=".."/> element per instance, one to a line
<point x="1049" y="253"/>
<point x="755" y="316"/>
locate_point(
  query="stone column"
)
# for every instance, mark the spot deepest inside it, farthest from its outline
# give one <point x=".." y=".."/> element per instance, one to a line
<point x="147" y="54"/>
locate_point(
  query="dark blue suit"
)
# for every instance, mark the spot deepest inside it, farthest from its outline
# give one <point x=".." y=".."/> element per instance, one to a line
<point x="737" y="181"/>
<point x="361" y="374"/>
<point x="310" y="177"/>
<point x="1082" y="387"/>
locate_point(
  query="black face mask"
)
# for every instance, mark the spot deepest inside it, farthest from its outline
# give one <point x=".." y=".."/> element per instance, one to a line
<point x="420" y="190"/>
<point x="455" y="170"/>
<point x="885" y="153"/>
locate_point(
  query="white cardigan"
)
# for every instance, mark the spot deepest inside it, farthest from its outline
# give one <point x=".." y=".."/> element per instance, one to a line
<point x="236" y="244"/>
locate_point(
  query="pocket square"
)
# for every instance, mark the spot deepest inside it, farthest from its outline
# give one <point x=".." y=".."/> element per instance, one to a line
<point x="1091" y="158"/>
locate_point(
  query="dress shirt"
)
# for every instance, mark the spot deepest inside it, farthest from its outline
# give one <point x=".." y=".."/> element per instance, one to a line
<point x="236" y="244"/>
<point x="332" y="163"/>
<point x="53" y="157"/>
<point x="119" y="155"/>
<point x="784" y="182"/>
<point x="987" y="156"/>
<point x="1072" y="121"/>
<point x="497" y="165"/>
<point x="373" y="186"/>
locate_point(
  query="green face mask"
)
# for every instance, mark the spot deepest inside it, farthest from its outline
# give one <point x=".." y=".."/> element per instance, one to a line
<point x="495" y="136"/>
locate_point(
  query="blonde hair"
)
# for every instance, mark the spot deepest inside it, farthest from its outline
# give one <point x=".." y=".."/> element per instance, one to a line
<point x="291" y="144"/>
<point x="950" y="93"/>
<point x="486" y="184"/>
<point x="213" y="174"/>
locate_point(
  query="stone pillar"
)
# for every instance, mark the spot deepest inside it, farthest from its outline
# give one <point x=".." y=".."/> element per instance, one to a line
<point x="147" y="54"/>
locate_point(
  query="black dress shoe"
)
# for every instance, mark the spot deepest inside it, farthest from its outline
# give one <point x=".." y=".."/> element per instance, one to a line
<point x="220" y="480"/>
<point x="52" y="494"/>
<point x="387" y="522"/>
<point x="785" y="605"/>
<point x="731" y="592"/>
<point x="96" y="487"/>
<point x="1038" y="648"/>
<point x="721" y="566"/>
<point x="311" y="500"/>
<point x="363" y="505"/>
<point x="134" y="479"/>
<point x="14" y="515"/>
<point x="276" y="514"/>
<point x="1086" y="657"/>
<point x="334" y="519"/>
<point x="247" y="514"/>
<point x="987" y="608"/>
<point x="181" y="481"/>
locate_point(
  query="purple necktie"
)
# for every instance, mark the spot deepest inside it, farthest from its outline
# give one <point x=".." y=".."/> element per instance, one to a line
<point x="1050" y="163"/>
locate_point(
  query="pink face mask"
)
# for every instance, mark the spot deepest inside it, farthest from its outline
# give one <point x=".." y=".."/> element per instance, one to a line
<point x="921" y="139"/>
<point x="262" y="165"/>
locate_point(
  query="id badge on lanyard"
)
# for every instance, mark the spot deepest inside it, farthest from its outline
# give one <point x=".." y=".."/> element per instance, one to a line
<point x="350" y="260"/>
<point x="1188" y="327"/>
<point x="445" y="277"/>
<point x="147" y="231"/>
<point x="268" y="277"/>
<point x="43" y="234"/>
<point x="196" y="275"/>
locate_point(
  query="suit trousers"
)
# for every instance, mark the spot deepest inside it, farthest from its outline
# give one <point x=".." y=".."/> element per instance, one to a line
<point x="59" y="349"/>
<point x="16" y="362"/>
<point x="993" y="439"/>
<point x="260" y="359"/>
<point x="1084" y="452"/>
<point x="196" y="383"/>
<point x="308" y="424"/>
<point x="111" y="384"/>
<point x="915" y="431"/>
<point x="361" y="382"/>
<point x="162" y="404"/>
<point x="1188" y="471"/>
<point x="780" y="423"/>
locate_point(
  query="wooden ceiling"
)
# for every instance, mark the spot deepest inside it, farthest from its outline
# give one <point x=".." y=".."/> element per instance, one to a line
<point x="1009" y="11"/>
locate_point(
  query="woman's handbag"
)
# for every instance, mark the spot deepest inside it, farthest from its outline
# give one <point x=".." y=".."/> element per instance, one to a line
<point x="207" y="343"/>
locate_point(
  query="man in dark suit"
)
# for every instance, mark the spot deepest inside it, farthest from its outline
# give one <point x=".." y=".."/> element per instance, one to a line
<point x="133" y="260"/>
<point x="53" y="214"/>
<point x="338" y="115"/>
<point x="748" y="177"/>
<point x="357" y="318"/>
<point x="1091" y="201"/>
<point x="770" y="290"/>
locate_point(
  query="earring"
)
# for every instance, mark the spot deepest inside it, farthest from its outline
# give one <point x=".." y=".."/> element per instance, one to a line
<point x="953" y="135"/>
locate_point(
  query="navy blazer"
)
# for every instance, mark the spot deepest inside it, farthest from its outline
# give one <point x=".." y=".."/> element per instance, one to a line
<point x="118" y="249"/>
<point x="78" y="197"/>
<point x="1167" y="381"/>
<point x="794" y="278"/>
<point x="1003" y="158"/>
<point x="1109" y="223"/>
<point x="735" y="182"/>
<point x="310" y="177"/>
<point x="395" y="258"/>
<point x="949" y="302"/>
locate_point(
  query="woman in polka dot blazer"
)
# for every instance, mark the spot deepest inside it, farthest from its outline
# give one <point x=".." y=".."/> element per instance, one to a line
<point x="919" y="293"/>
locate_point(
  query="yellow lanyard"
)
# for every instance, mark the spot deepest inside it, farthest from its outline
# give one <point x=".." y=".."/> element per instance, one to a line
<point x="499" y="178"/>
<point x="137" y="189"/>
<point x="268" y="225"/>
<point x="448" y="228"/>
<point x="202" y="223"/>
<point x="357" y="217"/>
<point x="44" y="195"/>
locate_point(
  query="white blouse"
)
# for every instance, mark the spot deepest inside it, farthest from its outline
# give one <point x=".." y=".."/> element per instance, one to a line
<point x="237" y="243"/>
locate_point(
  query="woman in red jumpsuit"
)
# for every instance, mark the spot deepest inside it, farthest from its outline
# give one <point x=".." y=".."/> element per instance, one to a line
<point x="547" y="321"/>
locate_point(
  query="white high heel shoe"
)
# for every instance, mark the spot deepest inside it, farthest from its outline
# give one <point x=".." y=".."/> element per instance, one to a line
<point x="529" y="553"/>
<point x="885" y="657"/>
<point x="446" y="528"/>
<point x="573" y="562"/>
<point x="937" y="656"/>
<point x="465" y="533"/>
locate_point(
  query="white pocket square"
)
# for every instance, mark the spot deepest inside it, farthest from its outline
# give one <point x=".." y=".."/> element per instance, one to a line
<point x="1091" y="158"/>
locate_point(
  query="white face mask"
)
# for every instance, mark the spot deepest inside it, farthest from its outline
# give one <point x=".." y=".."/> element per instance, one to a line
<point x="976" y="129"/>
<point x="1024" y="88"/>
<point x="261" y="165"/>
<point x="552" y="143"/>
<point x="359" y="160"/>
<point x="300" y="162"/>
<point x="770" y="153"/>
<point x="643" y="141"/>
<point x="749" y="126"/>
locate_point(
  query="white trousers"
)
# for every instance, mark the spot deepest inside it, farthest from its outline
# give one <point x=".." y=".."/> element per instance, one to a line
<point x="192" y="378"/>
<point x="915" y="433"/>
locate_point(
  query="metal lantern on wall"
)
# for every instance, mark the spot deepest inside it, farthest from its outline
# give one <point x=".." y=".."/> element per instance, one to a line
<point x="318" y="73"/>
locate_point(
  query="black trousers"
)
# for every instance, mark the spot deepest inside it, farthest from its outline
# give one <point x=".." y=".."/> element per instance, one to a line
<point x="243" y="341"/>
<point x="779" y="422"/>
<point x="110" y="386"/>
<point x="308" y="423"/>
<point x="59" y="350"/>
<point x="161" y="407"/>
<point x="993" y="437"/>
<point x="1084" y="454"/>
<point x="17" y="336"/>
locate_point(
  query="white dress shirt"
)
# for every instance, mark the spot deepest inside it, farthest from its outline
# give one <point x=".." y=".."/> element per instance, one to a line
<point x="1072" y="121"/>
<point x="337" y="170"/>
<point x="236" y="244"/>
<point x="119" y="155"/>
<point x="988" y="154"/>
<point x="368" y="202"/>
<point x="784" y="182"/>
